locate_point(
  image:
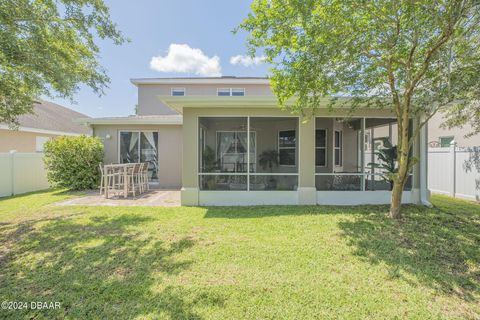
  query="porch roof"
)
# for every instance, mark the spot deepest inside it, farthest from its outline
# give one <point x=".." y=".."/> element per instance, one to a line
<point x="177" y="103"/>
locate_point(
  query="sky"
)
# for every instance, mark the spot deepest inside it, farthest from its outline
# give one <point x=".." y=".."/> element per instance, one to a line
<point x="169" y="38"/>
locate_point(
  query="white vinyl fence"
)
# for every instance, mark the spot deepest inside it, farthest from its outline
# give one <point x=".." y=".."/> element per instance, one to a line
<point x="21" y="173"/>
<point x="455" y="171"/>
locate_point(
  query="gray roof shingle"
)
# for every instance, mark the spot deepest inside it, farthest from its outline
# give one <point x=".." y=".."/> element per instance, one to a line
<point x="51" y="116"/>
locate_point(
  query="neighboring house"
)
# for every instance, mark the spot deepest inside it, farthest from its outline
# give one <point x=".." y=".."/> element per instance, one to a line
<point x="224" y="141"/>
<point x="48" y="120"/>
<point x="440" y="137"/>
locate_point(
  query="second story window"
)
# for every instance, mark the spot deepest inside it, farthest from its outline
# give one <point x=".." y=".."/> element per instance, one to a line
<point x="178" y="92"/>
<point x="238" y="92"/>
<point x="223" y="92"/>
<point x="231" y="92"/>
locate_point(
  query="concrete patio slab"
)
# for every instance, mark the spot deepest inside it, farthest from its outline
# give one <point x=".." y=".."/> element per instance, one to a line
<point x="156" y="197"/>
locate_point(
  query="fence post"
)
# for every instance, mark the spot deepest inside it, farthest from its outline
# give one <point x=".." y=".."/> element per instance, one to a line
<point x="12" y="167"/>
<point x="453" y="159"/>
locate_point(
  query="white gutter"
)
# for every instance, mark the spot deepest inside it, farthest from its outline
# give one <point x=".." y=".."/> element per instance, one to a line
<point x="44" y="131"/>
<point x="174" y="120"/>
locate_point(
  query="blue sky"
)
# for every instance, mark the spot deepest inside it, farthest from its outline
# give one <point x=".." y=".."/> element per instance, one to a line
<point x="153" y="26"/>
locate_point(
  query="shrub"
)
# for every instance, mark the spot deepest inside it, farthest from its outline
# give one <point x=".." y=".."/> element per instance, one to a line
<point x="72" y="162"/>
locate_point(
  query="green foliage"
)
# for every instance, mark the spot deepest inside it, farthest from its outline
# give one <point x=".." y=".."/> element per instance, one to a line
<point x="387" y="155"/>
<point x="427" y="51"/>
<point x="413" y="57"/>
<point x="268" y="159"/>
<point x="48" y="48"/>
<point x="72" y="162"/>
<point x="208" y="159"/>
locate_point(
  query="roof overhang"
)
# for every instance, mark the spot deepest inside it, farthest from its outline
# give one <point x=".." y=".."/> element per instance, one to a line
<point x="253" y="102"/>
<point x="222" y="81"/>
<point x="246" y="102"/>
<point x="160" y="120"/>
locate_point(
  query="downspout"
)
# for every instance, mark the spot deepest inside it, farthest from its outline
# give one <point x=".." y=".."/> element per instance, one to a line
<point x="424" y="192"/>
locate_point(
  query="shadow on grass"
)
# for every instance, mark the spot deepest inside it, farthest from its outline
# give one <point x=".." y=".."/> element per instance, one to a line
<point x="97" y="267"/>
<point x="439" y="246"/>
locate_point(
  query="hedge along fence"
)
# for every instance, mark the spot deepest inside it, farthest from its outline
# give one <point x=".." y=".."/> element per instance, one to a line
<point x="72" y="162"/>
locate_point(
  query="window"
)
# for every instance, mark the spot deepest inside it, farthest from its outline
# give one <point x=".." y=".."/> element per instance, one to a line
<point x="320" y="147"/>
<point x="223" y="92"/>
<point x="287" y="141"/>
<point x="139" y="146"/>
<point x="178" y="92"/>
<point x="238" y="92"/>
<point x="234" y="92"/>
<point x="446" y="141"/>
<point x="39" y="143"/>
<point x="338" y="148"/>
<point x="232" y="150"/>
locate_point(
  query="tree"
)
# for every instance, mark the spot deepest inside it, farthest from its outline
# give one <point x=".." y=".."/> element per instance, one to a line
<point x="416" y="57"/>
<point x="47" y="47"/>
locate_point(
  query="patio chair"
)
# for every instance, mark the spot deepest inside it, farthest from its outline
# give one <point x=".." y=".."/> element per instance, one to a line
<point x="133" y="179"/>
<point x="113" y="179"/>
<point x="144" y="177"/>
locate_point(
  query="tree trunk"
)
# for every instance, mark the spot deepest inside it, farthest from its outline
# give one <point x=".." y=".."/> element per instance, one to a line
<point x="403" y="156"/>
<point x="396" y="200"/>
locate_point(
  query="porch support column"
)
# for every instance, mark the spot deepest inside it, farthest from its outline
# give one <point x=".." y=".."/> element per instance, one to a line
<point x="362" y="152"/>
<point x="424" y="192"/>
<point x="307" y="193"/>
<point x="189" y="192"/>
<point x="416" y="184"/>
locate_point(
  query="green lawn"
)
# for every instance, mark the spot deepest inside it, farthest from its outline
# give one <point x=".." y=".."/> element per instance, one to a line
<point x="231" y="263"/>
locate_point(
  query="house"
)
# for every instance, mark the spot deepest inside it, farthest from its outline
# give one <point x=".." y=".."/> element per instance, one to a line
<point x="443" y="137"/>
<point x="224" y="141"/>
<point x="48" y="120"/>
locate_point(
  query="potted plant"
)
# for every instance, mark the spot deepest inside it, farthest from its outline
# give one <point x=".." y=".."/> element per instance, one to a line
<point x="387" y="156"/>
<point x="269" y="159"/>
<point x="208" y="159"/>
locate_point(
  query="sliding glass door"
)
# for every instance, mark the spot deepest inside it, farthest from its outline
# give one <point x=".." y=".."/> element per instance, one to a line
<point x="140" y="146"/>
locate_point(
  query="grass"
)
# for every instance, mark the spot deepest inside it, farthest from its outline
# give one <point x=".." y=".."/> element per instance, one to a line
<point x="232" y="262"/>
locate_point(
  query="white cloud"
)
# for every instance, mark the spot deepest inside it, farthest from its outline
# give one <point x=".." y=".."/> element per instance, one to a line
<point x="182" y="58"/>
<point x="246" y="61"/>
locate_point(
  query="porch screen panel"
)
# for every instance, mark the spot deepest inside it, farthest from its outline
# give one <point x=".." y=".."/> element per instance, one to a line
<point x="274" y="155"/>
<point x="381" y="141"/>
<point x="338" y="154"/>
<point x="222" y="156"/>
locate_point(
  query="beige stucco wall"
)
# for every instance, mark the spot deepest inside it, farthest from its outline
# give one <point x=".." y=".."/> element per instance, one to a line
<point x="169" y="149"/>
<point x="435" y="132"/>
<point x="149" y="104"/>
<point x="20" y="140"/>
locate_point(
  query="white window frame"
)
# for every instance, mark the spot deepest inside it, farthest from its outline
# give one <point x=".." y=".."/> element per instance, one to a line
<point x="224" y="89"/>
<point x="340" y="148"/>
<point x="178" y="89"/>
<point x="139" y="146"/>
<point x="283" y="148"/>
<point x="230" y="92"/>
<point x="326" y="147"/>
<point x="445" y="137"/>
<point x="40" y="142"/>
<point x="238" y="89"/>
